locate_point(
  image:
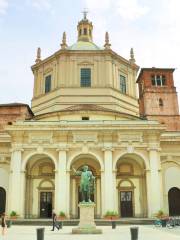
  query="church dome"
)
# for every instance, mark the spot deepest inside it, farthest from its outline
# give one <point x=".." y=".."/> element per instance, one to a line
<point x="82" y="45"/>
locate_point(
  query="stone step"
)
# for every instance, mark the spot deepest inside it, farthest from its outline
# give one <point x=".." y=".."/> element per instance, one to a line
<point x="75" y="222"/>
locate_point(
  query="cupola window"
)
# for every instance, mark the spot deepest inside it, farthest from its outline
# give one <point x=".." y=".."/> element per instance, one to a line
<point x="85" y="77"/>
<point x="122" y="84"/>
<point x="85" y="118"/>
<point x="47" y="83"/>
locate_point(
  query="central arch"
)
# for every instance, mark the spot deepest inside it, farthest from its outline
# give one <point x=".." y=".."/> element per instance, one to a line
<point x="94" y="165"/>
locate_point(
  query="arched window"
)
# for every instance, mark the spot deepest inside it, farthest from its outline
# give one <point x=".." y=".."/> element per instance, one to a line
<point x="47" y="83"/>
<point x="174" y="203"/>
<point x="161" y="102"/>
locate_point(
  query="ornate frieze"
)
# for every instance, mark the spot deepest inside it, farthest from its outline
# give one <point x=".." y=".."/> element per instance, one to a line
<point x="40" y="138"/>
<point x="130" y="137"/>
<point x="85" y="137"/>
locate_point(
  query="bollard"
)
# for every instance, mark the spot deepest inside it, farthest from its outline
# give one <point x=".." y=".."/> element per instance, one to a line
<point x="9" y="223"/>
<point x="163" y="222"/>
<point x="134" y="233"/>
<point x="113" y="224"/>
<point x="40" y="233"/>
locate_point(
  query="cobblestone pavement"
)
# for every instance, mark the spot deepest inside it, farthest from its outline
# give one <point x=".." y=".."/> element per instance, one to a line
<point x="120" y="233"/>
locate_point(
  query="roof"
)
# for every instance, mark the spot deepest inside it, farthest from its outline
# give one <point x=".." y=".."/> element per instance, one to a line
<point x="17" y="105"/>
<point x="89" y="107"/>
<point x="82" y="45"/>
<point x="153" y="69"/>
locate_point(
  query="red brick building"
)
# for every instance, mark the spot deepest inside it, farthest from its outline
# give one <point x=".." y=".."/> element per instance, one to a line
<point x="158" y="97"/>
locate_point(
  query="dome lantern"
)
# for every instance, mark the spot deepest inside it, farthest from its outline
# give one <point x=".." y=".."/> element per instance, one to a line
<point x="85" y="29"/>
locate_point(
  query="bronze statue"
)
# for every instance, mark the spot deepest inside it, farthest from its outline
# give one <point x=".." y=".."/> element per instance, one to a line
<point x="87" y="183"/>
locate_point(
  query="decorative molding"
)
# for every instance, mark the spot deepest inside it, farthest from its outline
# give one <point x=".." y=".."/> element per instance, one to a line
<point x="40" y="138"/>
<point x="85" y="137"/>
<point x="129" y="137"/>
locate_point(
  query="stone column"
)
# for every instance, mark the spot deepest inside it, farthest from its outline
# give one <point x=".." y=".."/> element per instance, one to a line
<point x="73" y="197"/>
<point x="98" y="202"/>
<point x="16" y="195"/>
<point x="109" y="189"/>
<point x="61" y="188"/>
<point x="154" y="196"/>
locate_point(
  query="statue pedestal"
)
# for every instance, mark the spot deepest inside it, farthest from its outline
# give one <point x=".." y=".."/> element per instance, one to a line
<point x="86" y="224"/>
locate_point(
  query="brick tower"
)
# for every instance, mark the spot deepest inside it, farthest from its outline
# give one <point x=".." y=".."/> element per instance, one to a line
<point x="158" y="97"/>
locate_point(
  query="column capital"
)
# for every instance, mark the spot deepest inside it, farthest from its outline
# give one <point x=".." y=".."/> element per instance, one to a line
<point x="154" y="148"/>
<point x="62" y="149"/>
<point x="16" y="149"/>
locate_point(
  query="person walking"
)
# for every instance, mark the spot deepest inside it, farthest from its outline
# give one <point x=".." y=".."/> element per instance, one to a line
<point x="3" y="223"/>
<point x="54" y="218"/>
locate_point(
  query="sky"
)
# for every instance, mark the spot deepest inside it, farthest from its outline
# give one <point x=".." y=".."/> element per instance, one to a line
<point x="151" y="27"/>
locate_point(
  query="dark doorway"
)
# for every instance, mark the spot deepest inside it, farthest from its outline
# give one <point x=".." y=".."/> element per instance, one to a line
<point x="2" y="200"/>
<point x="45" y="204"/>
<point x="174" y="201"/>
<point x="126" y="207"/>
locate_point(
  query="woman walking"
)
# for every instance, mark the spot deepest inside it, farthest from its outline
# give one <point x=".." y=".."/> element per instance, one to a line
<point x="3" y="223"/>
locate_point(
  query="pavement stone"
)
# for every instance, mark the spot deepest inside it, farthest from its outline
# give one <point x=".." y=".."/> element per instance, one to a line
<point x="120" y="233"/>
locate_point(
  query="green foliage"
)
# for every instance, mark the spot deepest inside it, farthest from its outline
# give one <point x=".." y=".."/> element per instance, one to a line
<point x="13" y="214"/>
<point x="62" y="214"/>
<point x="111" y="213"/>
<point x="160" y="214"/>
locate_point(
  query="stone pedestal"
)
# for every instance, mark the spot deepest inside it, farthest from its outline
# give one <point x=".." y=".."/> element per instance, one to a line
<point x="86" y="224"/>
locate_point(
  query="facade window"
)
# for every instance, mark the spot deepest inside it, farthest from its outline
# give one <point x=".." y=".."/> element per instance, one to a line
<point x="122" y="84"/>
<point x="80" y="32"/>
<point x="158" y="80"/>
<point x="85" y="77"/>
<point x="85" y="31"/>
<point x="47" y="83"/>
<point x="85" y="118"/>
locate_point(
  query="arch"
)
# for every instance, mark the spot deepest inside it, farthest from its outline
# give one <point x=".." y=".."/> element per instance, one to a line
<point x="125" y="180"/>
<point x="140" y="155"/>
<point x="46" y="180"/>
<point x="29" y="156"/>
<point x="173" y="200"/>
<point x="2" y="200"/>
<point x="90" y="154"/>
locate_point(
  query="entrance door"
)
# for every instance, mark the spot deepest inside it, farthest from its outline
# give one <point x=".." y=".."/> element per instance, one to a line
<point x="45" y="204"/>
<point x="2" y="200"/>
<point x="174" y="201"/>
<point x="126" y="204"/>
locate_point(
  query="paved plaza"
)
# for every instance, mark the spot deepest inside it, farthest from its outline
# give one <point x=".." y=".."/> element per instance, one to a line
<point x="120" y="233"/>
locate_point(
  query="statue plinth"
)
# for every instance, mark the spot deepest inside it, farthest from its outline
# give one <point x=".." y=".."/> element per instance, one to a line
<point x="86" y="224"/>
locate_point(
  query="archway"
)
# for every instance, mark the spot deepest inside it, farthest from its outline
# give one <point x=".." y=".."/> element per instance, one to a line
<point x="40" y="186"/>
<point x="2" y="200"/>
<point x="131" y="186"/>
<point x="174" y="201"/>
<point x="94" y="166"/>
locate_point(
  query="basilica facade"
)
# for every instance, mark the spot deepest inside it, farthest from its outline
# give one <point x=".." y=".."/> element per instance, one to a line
<point x="91" y="106"/>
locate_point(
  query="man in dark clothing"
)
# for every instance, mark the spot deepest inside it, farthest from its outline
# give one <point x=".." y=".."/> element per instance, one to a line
<point x="55" y="224"/>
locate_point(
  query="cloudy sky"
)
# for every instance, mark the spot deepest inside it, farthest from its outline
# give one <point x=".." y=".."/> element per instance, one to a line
<point x="152" y="28"/>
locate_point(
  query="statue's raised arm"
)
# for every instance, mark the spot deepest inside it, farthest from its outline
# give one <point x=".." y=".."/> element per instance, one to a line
<point x="77" y="173"/>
